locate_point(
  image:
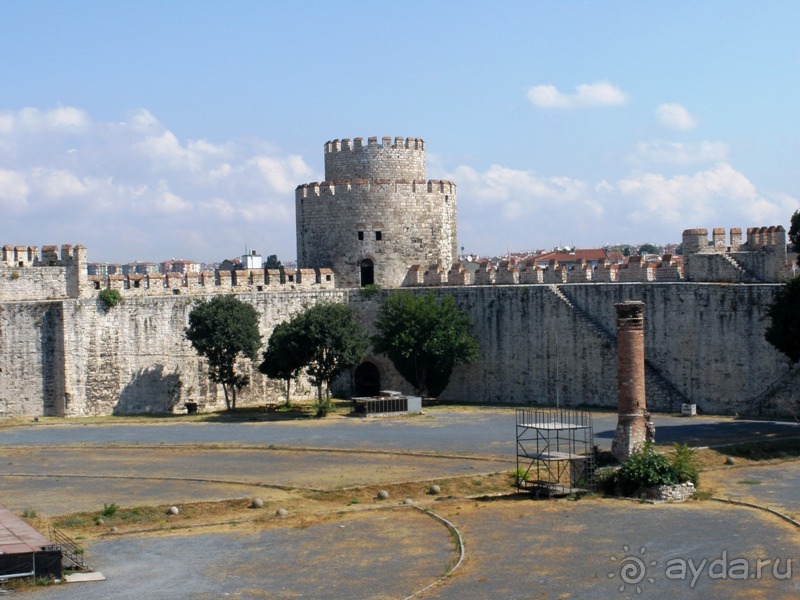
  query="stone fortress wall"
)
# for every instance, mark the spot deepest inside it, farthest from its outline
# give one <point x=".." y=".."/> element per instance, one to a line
<point x="375" y="214"/>
<point x="546" y="335"/>
<point x="27" y="275"/>
<point x="761" y="259"/>
<point x="540" y="344"/>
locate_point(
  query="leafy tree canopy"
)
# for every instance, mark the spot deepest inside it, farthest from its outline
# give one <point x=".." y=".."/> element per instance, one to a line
<point x="649" y="249"/>
<point x="273" y="262"/>
<point x="325" y="340"/>
<point x="784" y="314"/>
<point x="424" y="339"/>
<point x="225" y="330"/>
<point x="794" y="233"/>
<point x="334" y="341"/>
<point x="286" y="354"/>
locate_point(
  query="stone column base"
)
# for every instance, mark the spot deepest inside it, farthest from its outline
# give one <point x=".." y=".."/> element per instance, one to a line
<point x="629" y="437"/>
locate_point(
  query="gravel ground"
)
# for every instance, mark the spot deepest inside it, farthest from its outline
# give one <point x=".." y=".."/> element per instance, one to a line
<point x="375" y="554"/>
<point x="776" y="485"/>
<point x="560" y="549"/>
<point x="446" y="430"/>
<point x="515" y="548"/>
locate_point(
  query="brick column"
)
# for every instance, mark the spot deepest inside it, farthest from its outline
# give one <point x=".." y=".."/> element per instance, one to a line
<point x="632" y="420"/>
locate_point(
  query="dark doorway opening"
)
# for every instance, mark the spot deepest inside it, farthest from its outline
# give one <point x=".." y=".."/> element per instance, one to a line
<point x="368" y="380"/>
<point x="367" y="272"/>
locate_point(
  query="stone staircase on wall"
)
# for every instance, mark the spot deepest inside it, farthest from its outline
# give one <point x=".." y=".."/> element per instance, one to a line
<point x="594" y="325"/>
<point x="781" y="397"/>
<point x="662" y="394"/>
<point x="737" y="268"/>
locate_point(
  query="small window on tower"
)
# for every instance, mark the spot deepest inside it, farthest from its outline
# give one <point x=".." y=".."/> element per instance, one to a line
<point x="361" y="235"/>
<point x="378" y="236"/>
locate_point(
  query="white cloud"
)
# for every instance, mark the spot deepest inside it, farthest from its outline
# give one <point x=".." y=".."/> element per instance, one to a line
<point x="675" y="116"/>
<point x="14" y="190"/>
<point x="169" y="203"/>
<point x="502" y="208"/>
<point x="282" y="174"/>
<point x="131" y="189"/>
<point x="678" y="153"/>
<point x="601" y="93"/>
<point x="705" y="198"/>
<point x="33" y="120"/>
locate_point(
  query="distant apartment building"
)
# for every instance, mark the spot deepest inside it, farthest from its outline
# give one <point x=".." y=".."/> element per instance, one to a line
<point x="103" y="269"/>
<point x="180" y="266"/>
<point x="141" y="268"/>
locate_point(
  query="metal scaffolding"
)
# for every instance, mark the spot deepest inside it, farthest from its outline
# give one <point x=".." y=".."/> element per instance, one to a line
<point x="555" y="451"/>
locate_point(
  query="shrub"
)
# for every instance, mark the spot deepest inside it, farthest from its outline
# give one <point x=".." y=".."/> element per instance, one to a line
<point x="519" y="475"/>
<point x="109" y="510"/>
<point x="684" y="462"/>
<point x="370" y="291"/>
<point x="644" y="469"/>
<point x="605" y="479"/>
<point x="110" y="297"/>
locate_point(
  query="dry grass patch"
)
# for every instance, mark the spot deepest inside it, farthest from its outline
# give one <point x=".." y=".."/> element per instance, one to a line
<point x="305" y="508"/>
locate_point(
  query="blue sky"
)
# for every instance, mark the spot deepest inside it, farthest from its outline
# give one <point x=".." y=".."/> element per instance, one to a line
<point x="149" y="130"/>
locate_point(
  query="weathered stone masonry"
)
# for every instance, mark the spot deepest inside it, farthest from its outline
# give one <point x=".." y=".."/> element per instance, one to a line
<point x="375" y="211"/>
<point x="539" y="344"/>
<point x="546" y="335"/>
<point x="704" y="343"/>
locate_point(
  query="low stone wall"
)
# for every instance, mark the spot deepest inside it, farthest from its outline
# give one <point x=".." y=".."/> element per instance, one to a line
<point x="671" y="493"/>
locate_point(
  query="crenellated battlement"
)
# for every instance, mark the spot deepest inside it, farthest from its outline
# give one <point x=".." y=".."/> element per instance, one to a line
<point x="365" y="186"/>
<point x="28" y="273"/>
<point x="398" y="158"/>
<point x="761" y="258"/>
<point x="29" y="256"/>
<point x="398" y="143"/>
<point x="213" y="282"/>
<point x="526" y="272"/>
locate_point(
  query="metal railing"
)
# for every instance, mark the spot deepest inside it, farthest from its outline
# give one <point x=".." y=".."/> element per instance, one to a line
<point x="69" y="548"/>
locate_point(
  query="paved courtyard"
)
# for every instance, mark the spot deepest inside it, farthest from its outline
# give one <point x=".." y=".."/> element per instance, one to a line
<point x="516" y="547"/>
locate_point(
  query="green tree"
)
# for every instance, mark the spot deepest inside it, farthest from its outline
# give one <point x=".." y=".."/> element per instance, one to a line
<point x="424" y="339"/>
<point x="648" y="249"/>
<point x="225" y="330"/>
<point x="273" y="262"/>
<point x="794" y="233"/>
<point x="335" y="342"/>
<point x="286" y="354"/>
<point x="784" y="314"/>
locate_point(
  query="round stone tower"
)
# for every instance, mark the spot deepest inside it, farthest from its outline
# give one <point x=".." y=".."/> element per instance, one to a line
<point x="375" y="215"/>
